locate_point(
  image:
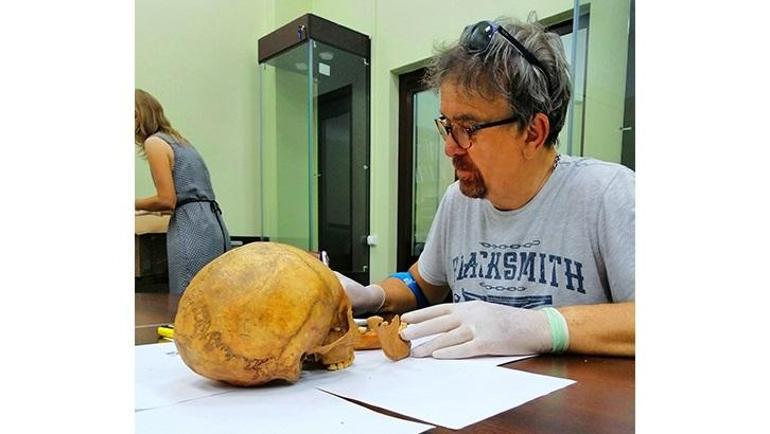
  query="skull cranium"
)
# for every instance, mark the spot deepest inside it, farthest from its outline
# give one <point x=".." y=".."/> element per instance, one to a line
<point x="255" y="313"/>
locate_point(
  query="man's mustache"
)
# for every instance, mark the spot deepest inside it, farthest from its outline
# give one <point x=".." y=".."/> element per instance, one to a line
<point x="461" y="162"/>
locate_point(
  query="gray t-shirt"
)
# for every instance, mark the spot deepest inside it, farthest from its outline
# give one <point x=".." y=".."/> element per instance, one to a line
<point x="573" y="243"/>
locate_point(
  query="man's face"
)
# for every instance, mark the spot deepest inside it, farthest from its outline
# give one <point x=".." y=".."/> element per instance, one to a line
<point x="493" y="151"/>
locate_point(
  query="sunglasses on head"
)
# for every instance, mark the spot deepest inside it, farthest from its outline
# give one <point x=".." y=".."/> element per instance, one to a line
<point x="476" y="38"/>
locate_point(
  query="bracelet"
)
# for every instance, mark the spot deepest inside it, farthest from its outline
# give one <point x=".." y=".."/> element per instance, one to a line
<point x="559" y="330"/>
<point x="410" y="283"/>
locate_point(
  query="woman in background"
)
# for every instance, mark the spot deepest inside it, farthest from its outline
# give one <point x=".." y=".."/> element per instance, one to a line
<point x="196" y="232"/>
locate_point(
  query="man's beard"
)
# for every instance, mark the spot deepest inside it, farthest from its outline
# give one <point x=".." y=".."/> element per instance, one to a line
<point x="471" y="183"/>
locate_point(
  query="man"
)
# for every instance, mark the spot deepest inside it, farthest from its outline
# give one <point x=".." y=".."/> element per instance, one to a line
<point x="537" y="248"/>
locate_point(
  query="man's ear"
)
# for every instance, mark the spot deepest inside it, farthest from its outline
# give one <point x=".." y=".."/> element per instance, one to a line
<point x="536" y="134"/>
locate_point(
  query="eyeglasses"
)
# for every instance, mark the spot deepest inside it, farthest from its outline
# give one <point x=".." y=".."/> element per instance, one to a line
<point x="462" y="135"/>
<point x="476" y="38"/>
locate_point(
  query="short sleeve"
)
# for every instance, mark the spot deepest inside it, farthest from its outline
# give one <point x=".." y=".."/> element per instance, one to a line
<point x="432" y="261"/>
<point x="617" y="243"/>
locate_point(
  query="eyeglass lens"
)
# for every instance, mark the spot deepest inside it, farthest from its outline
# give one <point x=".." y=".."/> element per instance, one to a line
<point x="479" y="36"/>
<point x="459" y="134"/>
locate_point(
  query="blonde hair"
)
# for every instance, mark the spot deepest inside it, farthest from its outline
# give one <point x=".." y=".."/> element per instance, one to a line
<point x="150" y="119"/>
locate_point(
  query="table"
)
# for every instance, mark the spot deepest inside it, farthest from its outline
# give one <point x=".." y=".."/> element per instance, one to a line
<point x="602" y="400"/>
<point x="152" y="309"/>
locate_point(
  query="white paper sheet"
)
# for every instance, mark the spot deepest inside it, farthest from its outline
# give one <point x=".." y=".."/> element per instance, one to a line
<point x="280" y="409"/>
<point x="450" y="393"/>
<point x="163" y="379"/>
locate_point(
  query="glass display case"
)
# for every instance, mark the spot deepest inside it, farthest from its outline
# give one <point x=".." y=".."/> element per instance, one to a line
<point x="314" y="156"/>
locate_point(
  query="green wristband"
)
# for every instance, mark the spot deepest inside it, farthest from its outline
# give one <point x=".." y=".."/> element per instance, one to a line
<point x="559" y="330"/>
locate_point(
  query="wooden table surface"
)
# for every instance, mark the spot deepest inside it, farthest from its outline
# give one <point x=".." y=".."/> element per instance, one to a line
<point x="602" y="400"/>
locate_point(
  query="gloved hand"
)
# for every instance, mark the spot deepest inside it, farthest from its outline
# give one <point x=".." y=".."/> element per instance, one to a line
<point x="477" y="328"/>
<point x="365" y="299"/>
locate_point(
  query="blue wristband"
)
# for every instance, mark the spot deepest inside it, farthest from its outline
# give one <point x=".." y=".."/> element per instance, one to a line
<point x="410" y="283"/>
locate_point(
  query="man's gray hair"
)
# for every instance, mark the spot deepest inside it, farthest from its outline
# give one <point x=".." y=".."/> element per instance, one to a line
<point x="502" y="71"/>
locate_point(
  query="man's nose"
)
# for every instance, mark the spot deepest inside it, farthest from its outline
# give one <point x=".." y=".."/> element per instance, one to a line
<point x="451" y="148"/>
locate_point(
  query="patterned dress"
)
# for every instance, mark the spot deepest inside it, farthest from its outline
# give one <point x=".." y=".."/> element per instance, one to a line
<point x="196" y="232"/>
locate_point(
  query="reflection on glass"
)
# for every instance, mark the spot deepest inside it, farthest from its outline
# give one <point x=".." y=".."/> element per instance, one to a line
<point x="285" y="107"/>
<point x="342" y="107"/>
<point x="432" y="170"/>
<point x="571" y="136"/>
<point x="604" y="80"/>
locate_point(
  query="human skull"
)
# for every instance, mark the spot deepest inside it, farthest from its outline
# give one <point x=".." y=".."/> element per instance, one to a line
<point x="255" y="313"/>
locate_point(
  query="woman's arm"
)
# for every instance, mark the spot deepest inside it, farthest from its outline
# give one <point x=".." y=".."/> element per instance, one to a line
<point x="601" y="329"/>
<point x="160" y="157"/>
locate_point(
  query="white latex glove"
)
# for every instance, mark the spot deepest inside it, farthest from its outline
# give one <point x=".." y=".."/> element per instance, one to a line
<point x="477" y="328"/>
<point x="365" y="299"/>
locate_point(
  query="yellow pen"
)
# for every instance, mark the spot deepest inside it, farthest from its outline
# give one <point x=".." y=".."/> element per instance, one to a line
<point x="166" y="331"/>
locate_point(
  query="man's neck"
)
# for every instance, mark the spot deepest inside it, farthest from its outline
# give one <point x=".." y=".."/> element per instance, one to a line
<point x="515" y="191"/>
